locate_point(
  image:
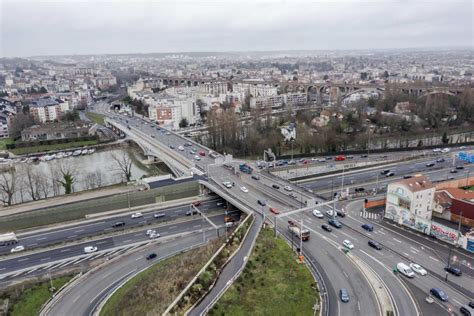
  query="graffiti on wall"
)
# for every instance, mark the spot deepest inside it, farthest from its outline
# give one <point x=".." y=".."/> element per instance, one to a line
<point x="444" y="233"/>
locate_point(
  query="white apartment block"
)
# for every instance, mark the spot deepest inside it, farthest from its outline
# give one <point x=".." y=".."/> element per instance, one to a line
<point x="213" y="88"/>
<point x="275" y="101"/>
<point x="171" y="111"/>
<point x="295" y="99"/>
<point x="410" y="202"/>
<point x="255" y="90"/>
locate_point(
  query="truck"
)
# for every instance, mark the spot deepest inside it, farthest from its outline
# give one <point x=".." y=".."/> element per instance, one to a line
<point x="243" y="167"/>
<point x="8" y="239"/>
<point x="295" y="230"/>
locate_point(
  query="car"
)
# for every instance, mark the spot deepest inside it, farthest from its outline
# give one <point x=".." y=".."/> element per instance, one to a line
<point x="330" y="213"/>
<point x="439" y="293"/>
<point x="255" y="177"/>
<point x="202" y="153"/>
<point x="291" y="162"/>
<point x="90" y="249"/>
<point x="340" y="158"/>
<point x="181" y="148"/>
<point x="244" y="189"/>
<point x="437" y="150"/>
<point x="159" y="215"/>
<point x="150" y="231"/>
<point x="344" y="295"/>
<point x="340" y="213"/>
<point x="459" y="167"/>
<point x="151" y="256"/>
<point x="328" y="158"/>
<point x="196" y="203"/>
<point x="197" y="158"/>
<point x="220" y="204"/>
<point x="430" y="164"/>
<point x="364" y="156"/>
<point x="368" y="227"/>
<point x="168" y="133"/>
<point x="227" y="184"/>
<point x="153" y="136"/>
<point x="275" y="186"/>
<point x="326" y="227"/>
<point x="118" y="224"/>
<point x="384" y="172"/>
<point x="171" y="146"/>
<point x="288" y="188"/>
<point x="418" y="269"/>
<point x="136" y="215"/>
<point x="274" y="210"/>
<point x="261" y="202"/>
<point x="191" y="212"/>
<point x="335" y="223"/>
<point x="348" y="244"/>
<point x="154" y="235"/>
<point x="453" y="270"/>
<point x="318" y="214"/>
<point x="445" y="150"/>
<point x="17" y="249"/>
<point x="293" y="195"/>
<point x="187" y="144"/>
<point x="471" y="303"/>
<point x="374" y="244"/>
<point x="390" y="174"/>
<point x="407" y="177"/>
<point x="467" y="310"/>
<point x="439" y="160"/>
<point x="359" y="189"/>
<point x="405" y="270"/>
<point x="453" y="171"/>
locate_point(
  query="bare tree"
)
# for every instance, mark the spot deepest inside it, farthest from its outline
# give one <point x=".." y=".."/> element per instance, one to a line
<point x="54" y="178"/>
<point x="123" y="164"/>
<point x="42" y="185"/>
<point x="99" y="178"/>
<point x="30" y="181"/>
<point x="8" y="186"/>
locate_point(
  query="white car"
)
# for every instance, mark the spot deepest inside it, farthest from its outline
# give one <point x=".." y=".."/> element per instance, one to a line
<point x="90" y="249"/>
<point x="329" y="213"/>
<point x="418" y="269"/>
<point x="445" y="150"/>
<point x="436" y="150"/>
<point x="181" y="148"/>
<point x="318" y="214"/>
<point x="150" y="231"/>
<point x="348" y="244"/>
<point x="154" y="235"/>
<point x="244" y="189"/>
<point x="17" y="249"/>
<point x="288" y="188"/>
<point x="168" y="133"/>
<point x="197" y="158"/>
<point x="227" y="184"/>
<point x="137" y="215"/>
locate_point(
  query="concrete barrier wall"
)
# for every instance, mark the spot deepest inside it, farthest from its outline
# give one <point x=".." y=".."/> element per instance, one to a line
<point x="456" y="183"/>
<point x="374" y="203"/>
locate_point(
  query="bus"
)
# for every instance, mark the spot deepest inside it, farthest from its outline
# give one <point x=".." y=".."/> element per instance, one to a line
<point x="8" y="239"/>
<point x="298" y="232"/>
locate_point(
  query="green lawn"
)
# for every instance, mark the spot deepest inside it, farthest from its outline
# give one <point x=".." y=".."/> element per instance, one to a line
<point x="53" y="147"/>
<point x="272" y="283"/>
<point x="4" y="142"/>
<point x="31" y="300"/>
<point x="95" y="117"/>
<point x="150" y="292"/>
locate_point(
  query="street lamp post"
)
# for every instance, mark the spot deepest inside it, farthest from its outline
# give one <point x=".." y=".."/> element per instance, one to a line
<point x="342" y="180"/>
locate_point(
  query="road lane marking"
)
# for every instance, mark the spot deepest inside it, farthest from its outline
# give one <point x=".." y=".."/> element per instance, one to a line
<point x="414" y="249"/>
<point x="196" y="226"/>
<point x="44" y="259"/>
<point x="433" y="259"/>
<point x="381" y="232"/>
<point x="334" y="235"/>
<point x="352" y="237"/>
<point x="101" y="242"/>
<point x="174" y="227"/>
<point x="345" y="274"/>
<point x="72" y="236"/>
<point x="24" y="259"/>
<point x="79" y="230"/>
<point x="413" y="252"/>
<point x="459" y="303"/>
<point x="396" y="240"/>
<point x="42" y="238"/>
<point x="358" y="305"/>
<point x="406" y="254"/>
<point x="126" y="241"/>
<point x="64" y="250"/>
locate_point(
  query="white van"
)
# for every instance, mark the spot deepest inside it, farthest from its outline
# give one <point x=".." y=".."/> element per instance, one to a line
<point x="405" y="270"/>
<point x="90" y="249"/>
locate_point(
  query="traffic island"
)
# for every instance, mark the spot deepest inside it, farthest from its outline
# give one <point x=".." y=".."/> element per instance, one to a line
<point x="272" y="283"/>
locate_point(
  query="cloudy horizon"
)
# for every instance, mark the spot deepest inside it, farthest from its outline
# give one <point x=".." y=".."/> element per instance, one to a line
<point x="34" y="28"/>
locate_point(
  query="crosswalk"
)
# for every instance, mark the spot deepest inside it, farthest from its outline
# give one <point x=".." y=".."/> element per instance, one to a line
<point x="48" y="267"/>
<point x="369" y="215"/>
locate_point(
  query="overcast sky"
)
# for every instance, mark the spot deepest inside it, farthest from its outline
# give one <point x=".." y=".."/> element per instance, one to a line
<point x="91" y="27"/>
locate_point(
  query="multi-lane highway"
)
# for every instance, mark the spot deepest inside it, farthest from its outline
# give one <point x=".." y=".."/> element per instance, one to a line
<point x="105" y="225"/>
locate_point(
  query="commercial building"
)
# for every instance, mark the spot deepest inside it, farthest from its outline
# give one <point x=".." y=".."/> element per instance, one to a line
<point x="410" y="203"/>
<point x="55" y="131"/>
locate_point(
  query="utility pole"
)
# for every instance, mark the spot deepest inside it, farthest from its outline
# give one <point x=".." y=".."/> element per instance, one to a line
<point x="301" y="237"/>
<point x="342" y="181"/>
<point x="334" y="208"/>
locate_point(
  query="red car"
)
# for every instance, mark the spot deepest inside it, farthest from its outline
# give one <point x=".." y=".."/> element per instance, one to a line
<point x="340" y="158"/>
<point x="274" y="211"/>
<point x="196" y="203"/>
<point x="305" y="162"/>
<point x="202" y="153"/>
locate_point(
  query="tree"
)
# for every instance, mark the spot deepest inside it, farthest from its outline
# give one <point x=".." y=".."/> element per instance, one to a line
<point x="71" y="116"/>
<point x="7" y="186"/>
<point x="124" y="164"/>
<point x="19" y="122"/>
<point x="43" y="90"/>
<point x="385" y="74"/>
<point x="31" y="181"/>
<point x="445" y="138"/>
<point x="183" y="123"/>
<point x="68" y="178"/>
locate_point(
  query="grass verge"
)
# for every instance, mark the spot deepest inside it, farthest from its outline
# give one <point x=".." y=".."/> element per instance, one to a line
<point x="26" y="300"/>
<point x="95" y="117"/>
<point x="150" y="292"/>
<point x="52" y="147"/>
<point x="4" y="142"/>
<point x="272" y="283"/>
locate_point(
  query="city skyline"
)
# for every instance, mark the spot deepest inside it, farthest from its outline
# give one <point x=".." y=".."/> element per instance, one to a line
<point x="33" y="28"/>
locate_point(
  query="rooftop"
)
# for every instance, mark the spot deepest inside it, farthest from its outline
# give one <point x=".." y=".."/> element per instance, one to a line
<point x="417" y="183"/>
